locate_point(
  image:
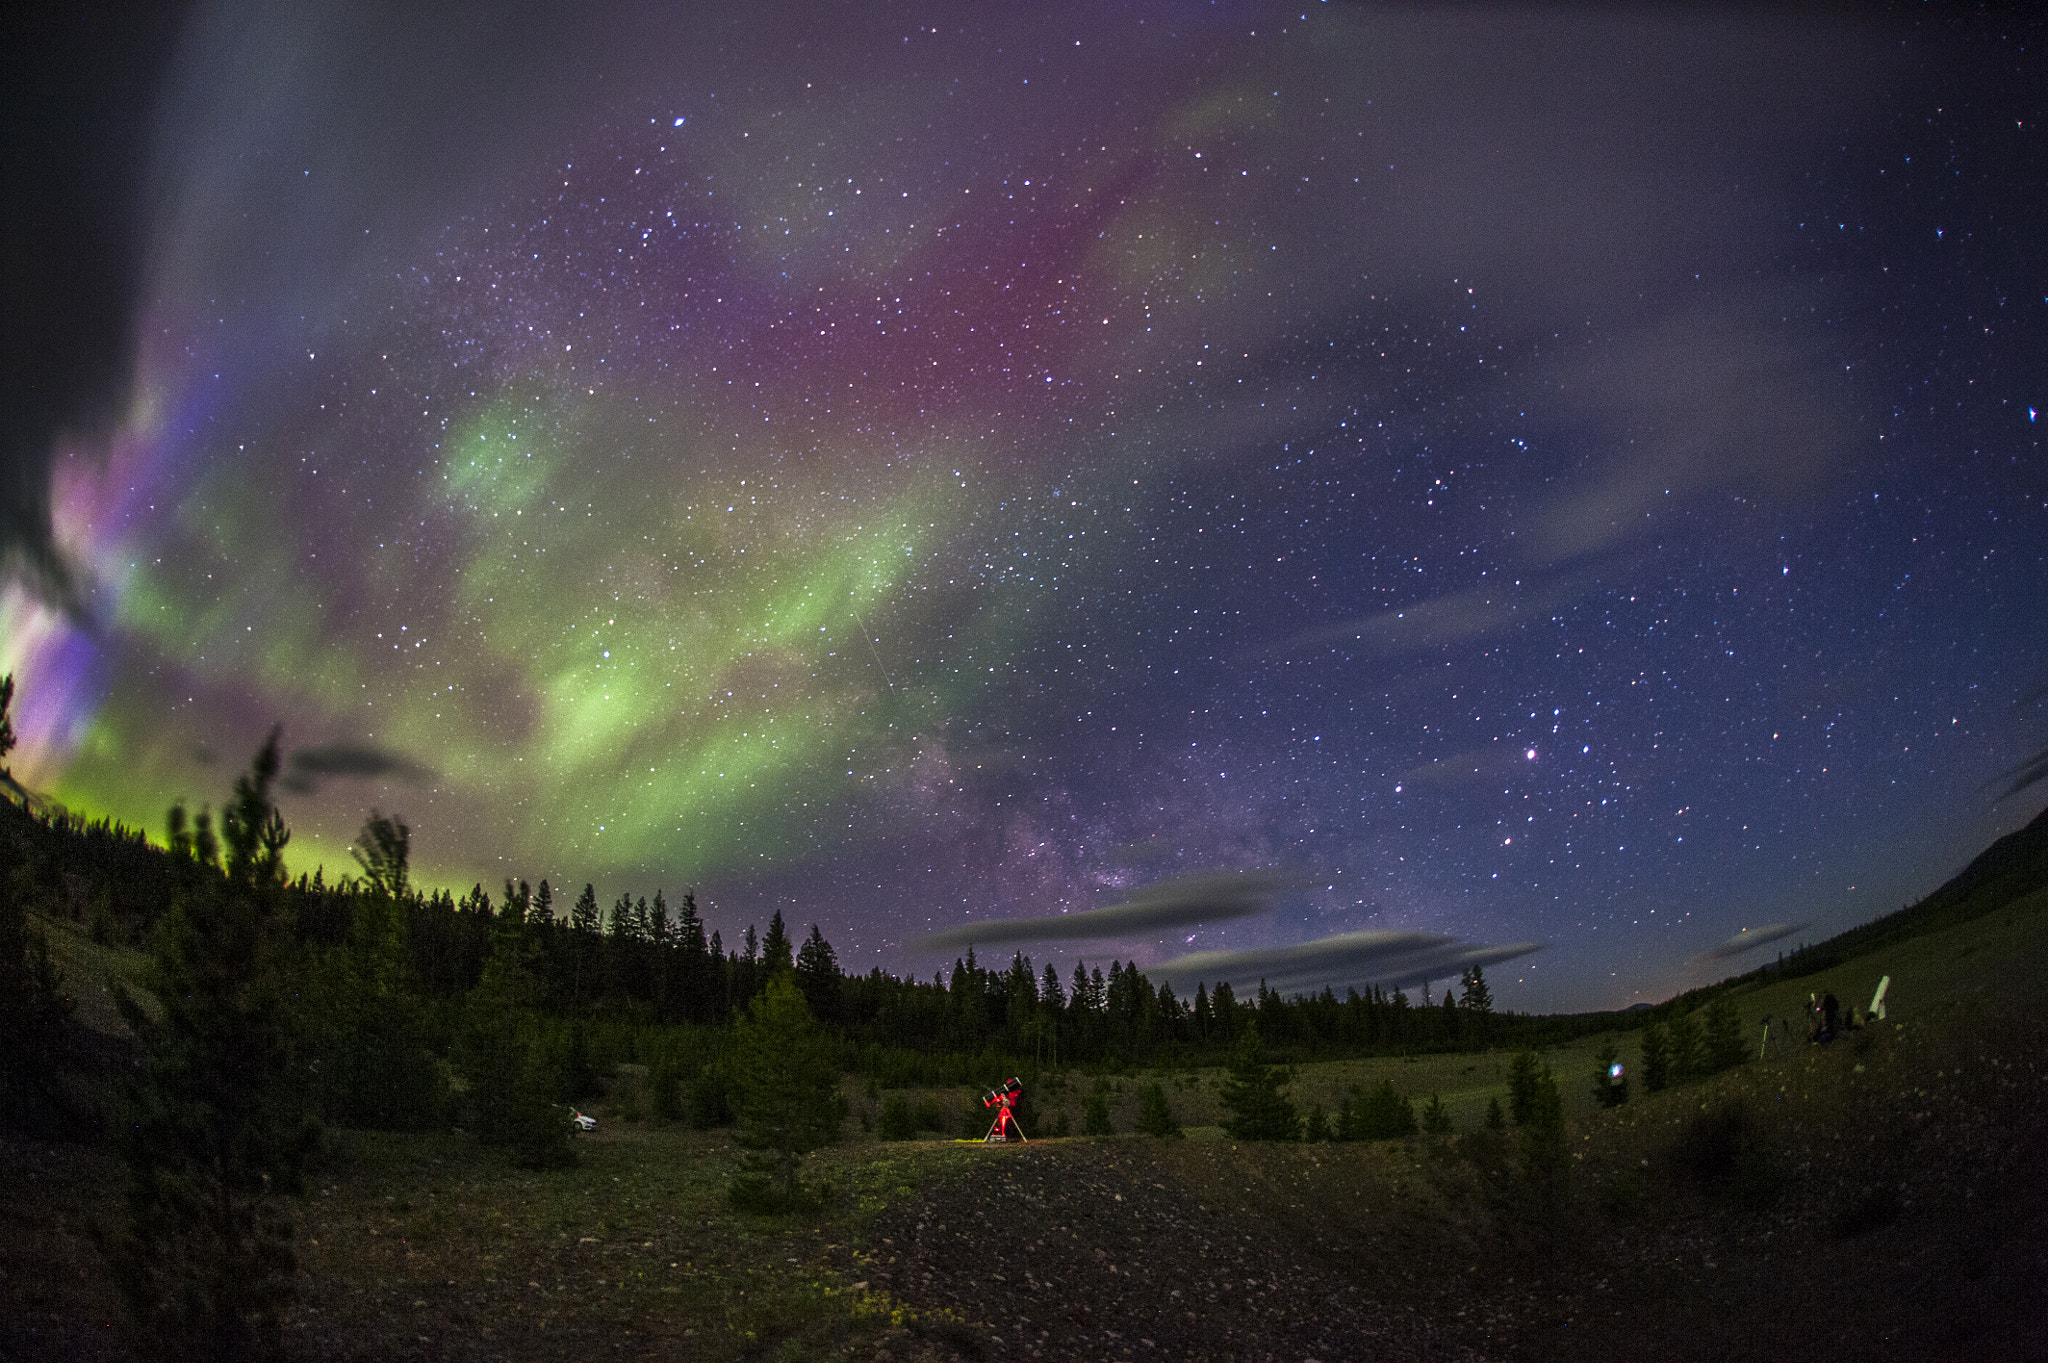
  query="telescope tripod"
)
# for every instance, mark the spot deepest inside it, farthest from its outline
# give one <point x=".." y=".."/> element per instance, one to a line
<point x="1004" y="1124"/>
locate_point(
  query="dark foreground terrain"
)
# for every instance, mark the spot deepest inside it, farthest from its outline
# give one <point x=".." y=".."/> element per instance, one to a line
<point x="1882" y="1197"/>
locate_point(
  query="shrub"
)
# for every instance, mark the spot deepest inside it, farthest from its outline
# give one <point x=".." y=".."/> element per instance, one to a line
<point x="1727" y="1153"/>
<point x="1381" y="1115"/>
<point x="1155" y="1114"/>
<point x="896" y="1122"/>
<point x="1095" y="1112"/>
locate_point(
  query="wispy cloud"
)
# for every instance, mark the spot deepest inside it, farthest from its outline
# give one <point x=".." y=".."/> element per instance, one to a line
<point x="1170" y="904"/>
<point x="1349" y="959"/>
<point x="1749" y="939"/>
<point x="308" y="767"/>
<point x="1455" y="618"/>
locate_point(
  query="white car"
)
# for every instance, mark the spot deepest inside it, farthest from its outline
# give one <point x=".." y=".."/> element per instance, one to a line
<point x="582" y="1122"/>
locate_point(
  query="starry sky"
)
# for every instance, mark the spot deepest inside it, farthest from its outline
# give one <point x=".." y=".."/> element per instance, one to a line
<point x="1499" y="477"/>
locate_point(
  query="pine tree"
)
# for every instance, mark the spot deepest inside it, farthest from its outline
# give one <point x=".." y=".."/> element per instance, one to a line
<point x="1256" y="1094"/>
<point x="216" y="1131"/>
<point x="1496" y="1120"/>
<point x="789" y="1101"/>
<point x="1436" y="1118"/>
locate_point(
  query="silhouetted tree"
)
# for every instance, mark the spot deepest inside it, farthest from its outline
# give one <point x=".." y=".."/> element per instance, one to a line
<point x="382" y="849"/>
<point x="817" y="975"/>
<point x="775" y="949"/>
<point x="216" y="1132"/>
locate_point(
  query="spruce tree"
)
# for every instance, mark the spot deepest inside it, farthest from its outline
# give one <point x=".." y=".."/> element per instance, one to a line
<point x="216" y="1132"/>
<point x="775" y="949"/>
<point x="33" y="1005"/>
<point x="1477" y="998"/>
<point x="817" y="975"/>
<point x="1255" y="1093"/>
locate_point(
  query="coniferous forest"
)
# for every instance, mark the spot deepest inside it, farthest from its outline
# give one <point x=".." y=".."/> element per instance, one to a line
<point x="394" y="988"/>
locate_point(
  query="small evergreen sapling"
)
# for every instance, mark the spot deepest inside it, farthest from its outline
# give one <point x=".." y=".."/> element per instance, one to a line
<point x="1523" y="1071"/>
<point x="1155" y="1113"/>
<point x="1656" y="1058"/>
<point x="1095" y="1111"/>
<point x="789" y="1100"/>
<point x="1256" y="1094"/>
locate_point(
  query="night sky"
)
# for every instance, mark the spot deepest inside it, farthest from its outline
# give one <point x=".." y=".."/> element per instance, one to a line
<point x="1526" y="477"/>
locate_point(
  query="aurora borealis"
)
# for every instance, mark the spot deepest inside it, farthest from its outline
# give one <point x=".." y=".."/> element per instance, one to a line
<point x="1525" y="476"/>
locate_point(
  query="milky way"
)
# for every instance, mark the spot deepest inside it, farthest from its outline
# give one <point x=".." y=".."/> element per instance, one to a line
<point x="1563" y="479"/>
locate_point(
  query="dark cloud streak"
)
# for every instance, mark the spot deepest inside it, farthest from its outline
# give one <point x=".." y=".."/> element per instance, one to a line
<point x="1348" y="959"/>
<point x="1167" y="906"/>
